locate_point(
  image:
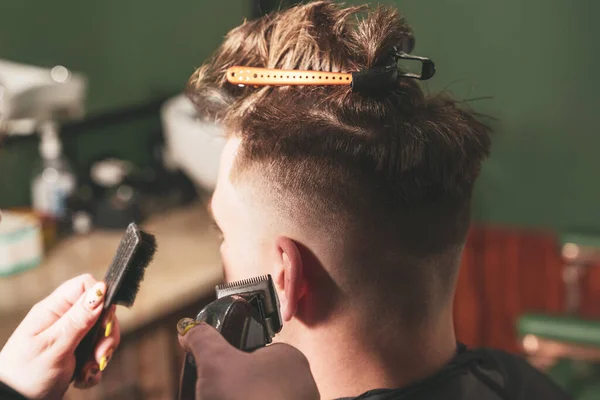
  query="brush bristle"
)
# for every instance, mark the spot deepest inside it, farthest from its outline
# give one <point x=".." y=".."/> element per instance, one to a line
<point x="135" y="273"/>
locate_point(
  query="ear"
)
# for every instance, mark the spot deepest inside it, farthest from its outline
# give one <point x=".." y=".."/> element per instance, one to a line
<point x="289" y="276"/>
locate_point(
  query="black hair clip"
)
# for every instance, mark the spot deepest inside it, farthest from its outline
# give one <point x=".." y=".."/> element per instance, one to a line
<point x="427" y="66"/>
<point x="377" y="78"/>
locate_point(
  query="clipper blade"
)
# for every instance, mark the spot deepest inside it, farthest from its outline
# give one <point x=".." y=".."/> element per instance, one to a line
<point x="261" y="288"/>
<point x="243" y="286"/>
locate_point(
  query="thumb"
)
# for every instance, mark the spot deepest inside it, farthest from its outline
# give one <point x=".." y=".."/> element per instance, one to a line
<point x="72" y="327"/>
<point x="203" y="341"/>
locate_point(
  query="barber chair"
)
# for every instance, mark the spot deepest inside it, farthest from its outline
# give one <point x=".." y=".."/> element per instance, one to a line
<point x="567" y="347"/>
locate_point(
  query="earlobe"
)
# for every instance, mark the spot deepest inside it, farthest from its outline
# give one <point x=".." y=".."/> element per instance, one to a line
<point x="289" y="277"/>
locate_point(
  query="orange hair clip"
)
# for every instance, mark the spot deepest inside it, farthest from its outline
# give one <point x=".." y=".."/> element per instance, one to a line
<point x="283" y="77"/>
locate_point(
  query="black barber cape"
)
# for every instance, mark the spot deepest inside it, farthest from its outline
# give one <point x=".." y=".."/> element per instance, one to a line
<point x="477" y="375"/>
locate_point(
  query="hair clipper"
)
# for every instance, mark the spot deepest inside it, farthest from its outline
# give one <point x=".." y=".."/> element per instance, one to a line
<point x="246" y="313"/>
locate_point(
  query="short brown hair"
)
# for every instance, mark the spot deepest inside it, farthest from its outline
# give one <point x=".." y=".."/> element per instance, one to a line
<point x="400" y="164"/>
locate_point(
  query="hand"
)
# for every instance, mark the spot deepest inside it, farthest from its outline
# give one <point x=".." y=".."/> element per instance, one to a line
<point x="278" y="371"/>
<point x="38" y="360"/>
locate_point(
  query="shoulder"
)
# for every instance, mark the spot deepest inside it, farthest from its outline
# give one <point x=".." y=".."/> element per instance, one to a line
<point x="519" y="379"/>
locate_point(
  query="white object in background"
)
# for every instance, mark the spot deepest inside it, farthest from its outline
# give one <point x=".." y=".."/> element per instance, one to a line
<point x="53" y="181"/>
<point x="82" y="222"/>
<point x="109" y="173"/>
<point x="29" y="94"/>
<point x="21" y="245"/>
<point x="192" y="145"/>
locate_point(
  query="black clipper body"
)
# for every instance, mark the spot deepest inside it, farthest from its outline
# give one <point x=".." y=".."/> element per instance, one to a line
<point x="246" y="313"/>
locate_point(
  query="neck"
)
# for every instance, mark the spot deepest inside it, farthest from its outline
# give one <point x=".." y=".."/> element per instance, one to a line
<point x="347" y="363"/>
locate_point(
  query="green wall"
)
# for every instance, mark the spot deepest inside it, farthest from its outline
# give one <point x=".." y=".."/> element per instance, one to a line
<point x="538" y="60"/>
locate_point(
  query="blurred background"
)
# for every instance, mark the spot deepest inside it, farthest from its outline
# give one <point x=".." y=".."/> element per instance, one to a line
<point x="99" y="135"/>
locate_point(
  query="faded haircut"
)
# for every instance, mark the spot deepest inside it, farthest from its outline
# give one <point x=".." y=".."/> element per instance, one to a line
<point x="398" y="164"/>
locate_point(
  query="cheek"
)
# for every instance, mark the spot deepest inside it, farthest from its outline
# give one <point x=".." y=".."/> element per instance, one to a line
<point x="227" y="272"/>
<point x="235" y="262"/>
<point x="242" y="260"/>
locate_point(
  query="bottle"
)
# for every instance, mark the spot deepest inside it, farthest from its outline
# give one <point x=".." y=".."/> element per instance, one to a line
<point x="53" y="181"/>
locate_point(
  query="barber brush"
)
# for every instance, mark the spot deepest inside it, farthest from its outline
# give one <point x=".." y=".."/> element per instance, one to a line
<point x="246" y="313"/>
<point x="136" y="250"/>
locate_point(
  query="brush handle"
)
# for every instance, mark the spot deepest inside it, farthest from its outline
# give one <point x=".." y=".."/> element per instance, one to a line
<point x="85" y="350"/>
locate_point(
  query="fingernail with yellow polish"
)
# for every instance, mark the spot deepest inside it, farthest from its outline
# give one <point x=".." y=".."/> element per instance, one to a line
<point x="184" y="325"/>
<point x="94" y="296"/>
<point x="105" y="359"/>
<point x="108" y="329"/>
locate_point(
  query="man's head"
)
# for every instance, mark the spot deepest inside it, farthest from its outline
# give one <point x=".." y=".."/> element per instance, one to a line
<point x="351" y="201"/>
